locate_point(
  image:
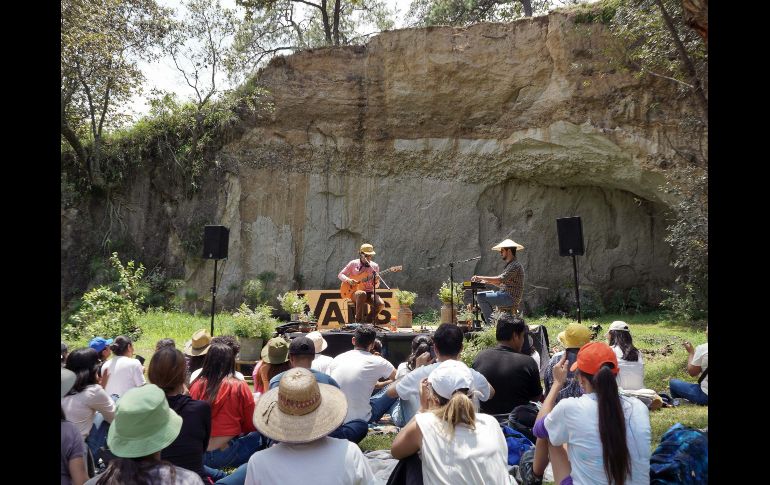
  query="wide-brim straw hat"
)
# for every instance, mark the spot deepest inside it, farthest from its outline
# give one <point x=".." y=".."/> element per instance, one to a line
<point x="318" y="340"/>
<point x="200" y="343"/>
<point x="276" y="351"/>
<point x="367" y="249"/>
<point x="300" y="410"/>
<point x="143" y="423"/>
<point x="507" y="244"/>
<point x="67" y="381"/>
<point x="574" y="336"/>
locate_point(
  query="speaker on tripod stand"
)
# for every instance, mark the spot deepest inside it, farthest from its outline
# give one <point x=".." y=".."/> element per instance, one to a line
<point x="570" y="233"/>
<point x="215" y="242"/>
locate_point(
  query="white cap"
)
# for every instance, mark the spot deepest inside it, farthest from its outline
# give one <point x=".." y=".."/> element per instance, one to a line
<point x="450" y="376"/>
<point x="619" y="325"/>
<point x="318" y="340"/>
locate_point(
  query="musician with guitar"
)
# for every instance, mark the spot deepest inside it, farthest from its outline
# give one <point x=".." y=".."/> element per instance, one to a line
<point x="359" y="278"/>
<point x="510" y="282"/>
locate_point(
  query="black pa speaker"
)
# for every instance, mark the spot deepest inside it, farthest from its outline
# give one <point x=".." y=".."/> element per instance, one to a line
<point x="215" y="241"/>
<point x="570" y="231"/>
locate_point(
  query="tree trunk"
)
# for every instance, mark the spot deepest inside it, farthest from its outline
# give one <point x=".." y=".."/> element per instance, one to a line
<point x="336" y="22"/>
<point x="325" y="19"/>
<point x="527" y="4"/>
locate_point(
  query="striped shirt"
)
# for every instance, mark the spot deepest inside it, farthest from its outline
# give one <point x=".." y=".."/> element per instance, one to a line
<point x="512" y="281"/>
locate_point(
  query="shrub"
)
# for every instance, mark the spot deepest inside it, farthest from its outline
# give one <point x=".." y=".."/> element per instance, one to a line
<point x="256" y="323"/>
<point x="406" y="298"/>
<point x="253" y="292"/>
<point x="445" y="294"/>
<point x="292" y="303"/>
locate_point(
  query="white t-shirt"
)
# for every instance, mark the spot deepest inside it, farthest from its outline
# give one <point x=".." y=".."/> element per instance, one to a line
<point x="466" y="456"/>
<point x="125" y="373"/>
<point x="80" y="408"/>
<point x="631" y="374"/>
<point x="197" y="372"/>
<point x="701" y="358"/>
<point x="402" y="370"/>
<point x="575" y="420"/>
<point x="408" y="388"/>
<point x="327" y="461"/>
<point x="321" y="363"/>
<point x="356" y="371"/>
<point x="536" y="356"/>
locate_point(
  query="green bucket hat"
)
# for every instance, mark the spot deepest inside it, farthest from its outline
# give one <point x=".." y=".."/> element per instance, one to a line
<point x="276" y="351"/>
<point x="143" y="424"/>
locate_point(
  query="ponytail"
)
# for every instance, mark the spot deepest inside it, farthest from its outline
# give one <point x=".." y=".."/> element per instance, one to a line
<point x="612" y="425"/>
<point x="456" y="410"/>
<point x="120" y="345"/>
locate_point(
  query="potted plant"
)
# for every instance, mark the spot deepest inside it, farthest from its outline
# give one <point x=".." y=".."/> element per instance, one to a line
<point x="293" y="304"/>
<point x="445" y="295"/>
<point x="306" y="321"/>
<point x="405" y="300"/>
<point x="465" y="318"/>
<point x="253" y="328"/>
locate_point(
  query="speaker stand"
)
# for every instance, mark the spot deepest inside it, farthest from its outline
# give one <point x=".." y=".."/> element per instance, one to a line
<point x="214" y="297"/>
<point x="577" y="288"/>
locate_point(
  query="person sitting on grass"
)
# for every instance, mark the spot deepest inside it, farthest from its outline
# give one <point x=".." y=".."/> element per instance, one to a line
<point x="231" y="342"/>
<point x="697" y="364"/>
<point x="144" y="425"/>
<point x="631" y="374"/>
<point x="275" y="359"/>
<point x="122" y="371"/>
<point x="457" y="444"/>
<point x="320" y="362"/>
<point x="73" y="448"/>
<point x="195" y="351"/>
<point x="607" y="435"/>
<point x="165" y="342"/>
<point x="574" y="337"/>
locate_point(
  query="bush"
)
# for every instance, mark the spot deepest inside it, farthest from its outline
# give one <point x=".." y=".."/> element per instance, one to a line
<point x="253" y="292"/>
<point x="445" y="294"/>
<point x="256" y="323"/>
<point x="683" y="305"/>
<point x="476" y="344"/>
<point x="406" y="298"/>
<point x="292" y="303"/>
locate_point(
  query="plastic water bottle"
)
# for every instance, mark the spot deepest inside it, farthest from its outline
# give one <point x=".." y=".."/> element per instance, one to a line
<point x="393" y="325"/>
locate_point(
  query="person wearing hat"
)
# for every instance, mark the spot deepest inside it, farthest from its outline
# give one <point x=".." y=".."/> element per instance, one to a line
<point x="73" y="448"/>
<point x="232" y="342"/>
<point x="233" y="437"/>
<point x="510" y="282"/>
<point x="631" y="375"/>
<point x="299" y="414"/>
<point x="195" y="352"/>
<point x="361" y="268"/>
<point x="607" y="435"/>
<point x="144" y="425"/>
<point x="457" y="444"/>
<point x="301" y="354"/>
<point x="275" y="359"/>
<point x="320" y="362"/>
<point x="575" y="336"/>
<point x="102" y="347"/>
<point x="514" y="376"/>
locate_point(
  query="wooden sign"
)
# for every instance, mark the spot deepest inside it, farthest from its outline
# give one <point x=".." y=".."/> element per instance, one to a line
<point x="333" y="311"/>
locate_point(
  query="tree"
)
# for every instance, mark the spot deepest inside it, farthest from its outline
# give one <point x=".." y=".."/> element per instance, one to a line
<point x="101" y="42"/>
<point x="465" y="12"/>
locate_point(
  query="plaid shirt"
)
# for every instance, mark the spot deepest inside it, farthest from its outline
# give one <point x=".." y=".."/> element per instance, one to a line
<point x="571" y="387"/>
<point x="512" y="282"/>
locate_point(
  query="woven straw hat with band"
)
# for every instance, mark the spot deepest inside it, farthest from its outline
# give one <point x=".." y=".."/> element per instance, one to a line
<point x="300" y="410"/>
<point x="199" y="345"/>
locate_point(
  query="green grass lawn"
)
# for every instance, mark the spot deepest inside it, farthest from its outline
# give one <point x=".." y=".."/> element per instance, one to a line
<point x="659" y="339"/>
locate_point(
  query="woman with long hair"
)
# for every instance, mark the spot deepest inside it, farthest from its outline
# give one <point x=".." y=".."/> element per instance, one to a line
<point x="457" y="444"/>
<point x="608" y="435"/>
<point x="86" y="398"/>
<point x="144" y="425"/>
<point x="233" y="435"/>
<point x="168" y="371"/>
<point x="122" y="372"/>
<point x="73" y="449"/>
<point x="630" y="364"/>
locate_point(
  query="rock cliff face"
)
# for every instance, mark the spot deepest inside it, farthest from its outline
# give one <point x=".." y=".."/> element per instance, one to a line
<point x="434" y="144"/>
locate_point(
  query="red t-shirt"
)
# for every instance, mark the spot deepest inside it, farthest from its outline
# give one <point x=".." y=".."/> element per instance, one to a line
<point x="233" y="409"/>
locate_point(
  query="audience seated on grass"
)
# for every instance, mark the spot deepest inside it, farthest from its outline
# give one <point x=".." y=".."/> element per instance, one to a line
<point x="86" y="398"/>
<point x="144" y="425"/>
<point x="357" y="371"/>
<point x="299" y="414"/>
<point x="320" y="362"/>
<point x="168" y="371"/>
<point x="447" y="345"/>
<point x="73" y="448"/>
<point x="697" y="365"/>
<point x="573" y="337"/>
<point x="607" y="435"/>
<point x="122" y="371"/>
<point x="233" y="437"/>
<point x="231" y="342"/>
<point x="275" y="359"/>
<point x="421" y="344"/>
<point x="631" y="374"/>
<point x="102" y="346"/>
<point x="195" y="352"/>
<point x="457" y="444"/>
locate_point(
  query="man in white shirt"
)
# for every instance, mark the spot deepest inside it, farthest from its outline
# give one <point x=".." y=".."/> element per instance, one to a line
<point x="697" y="365"/>
<point x="357" y="371"/>
<point x="447" y="344"/>
<point x="320" y="362"/>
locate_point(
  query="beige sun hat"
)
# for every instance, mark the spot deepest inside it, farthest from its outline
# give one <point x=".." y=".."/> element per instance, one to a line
<point x="367" y="249"/>
<point x="318" y="340"/>
<point x="508" y="244"/>
<point x="199" y="345"/>
<point x="300" y="410"/>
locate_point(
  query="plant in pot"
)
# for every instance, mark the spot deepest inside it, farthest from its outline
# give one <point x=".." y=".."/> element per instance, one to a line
<point x="293" y="304"/>
<point x="445" y="295"/>
<point x="253" y="328"/>
<point x="405" y="300"/>
<point x="465" y="317"/>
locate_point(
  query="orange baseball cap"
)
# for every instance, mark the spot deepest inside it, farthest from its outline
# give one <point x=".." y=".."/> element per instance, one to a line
<point x="592" y="356"/>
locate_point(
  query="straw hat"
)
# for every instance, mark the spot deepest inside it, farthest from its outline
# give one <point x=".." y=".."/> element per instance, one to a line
<point x="199" y="345"/>
<point x="508" y="244"/>
<point x="574" y="336"/>
<point x="143" y="424"/>
<point x="300" y="410"/>
<point x="319" y="341"/>
<point x="67" y="381"/>
<point x="276" y="351"/>
<point x="367" y="249"/>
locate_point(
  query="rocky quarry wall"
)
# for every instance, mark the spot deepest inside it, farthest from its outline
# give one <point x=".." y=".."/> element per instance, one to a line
<point x="432" y="144"/>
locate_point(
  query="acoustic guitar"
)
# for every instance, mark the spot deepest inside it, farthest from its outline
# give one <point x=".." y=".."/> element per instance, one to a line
<point x="348" y="289"/>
